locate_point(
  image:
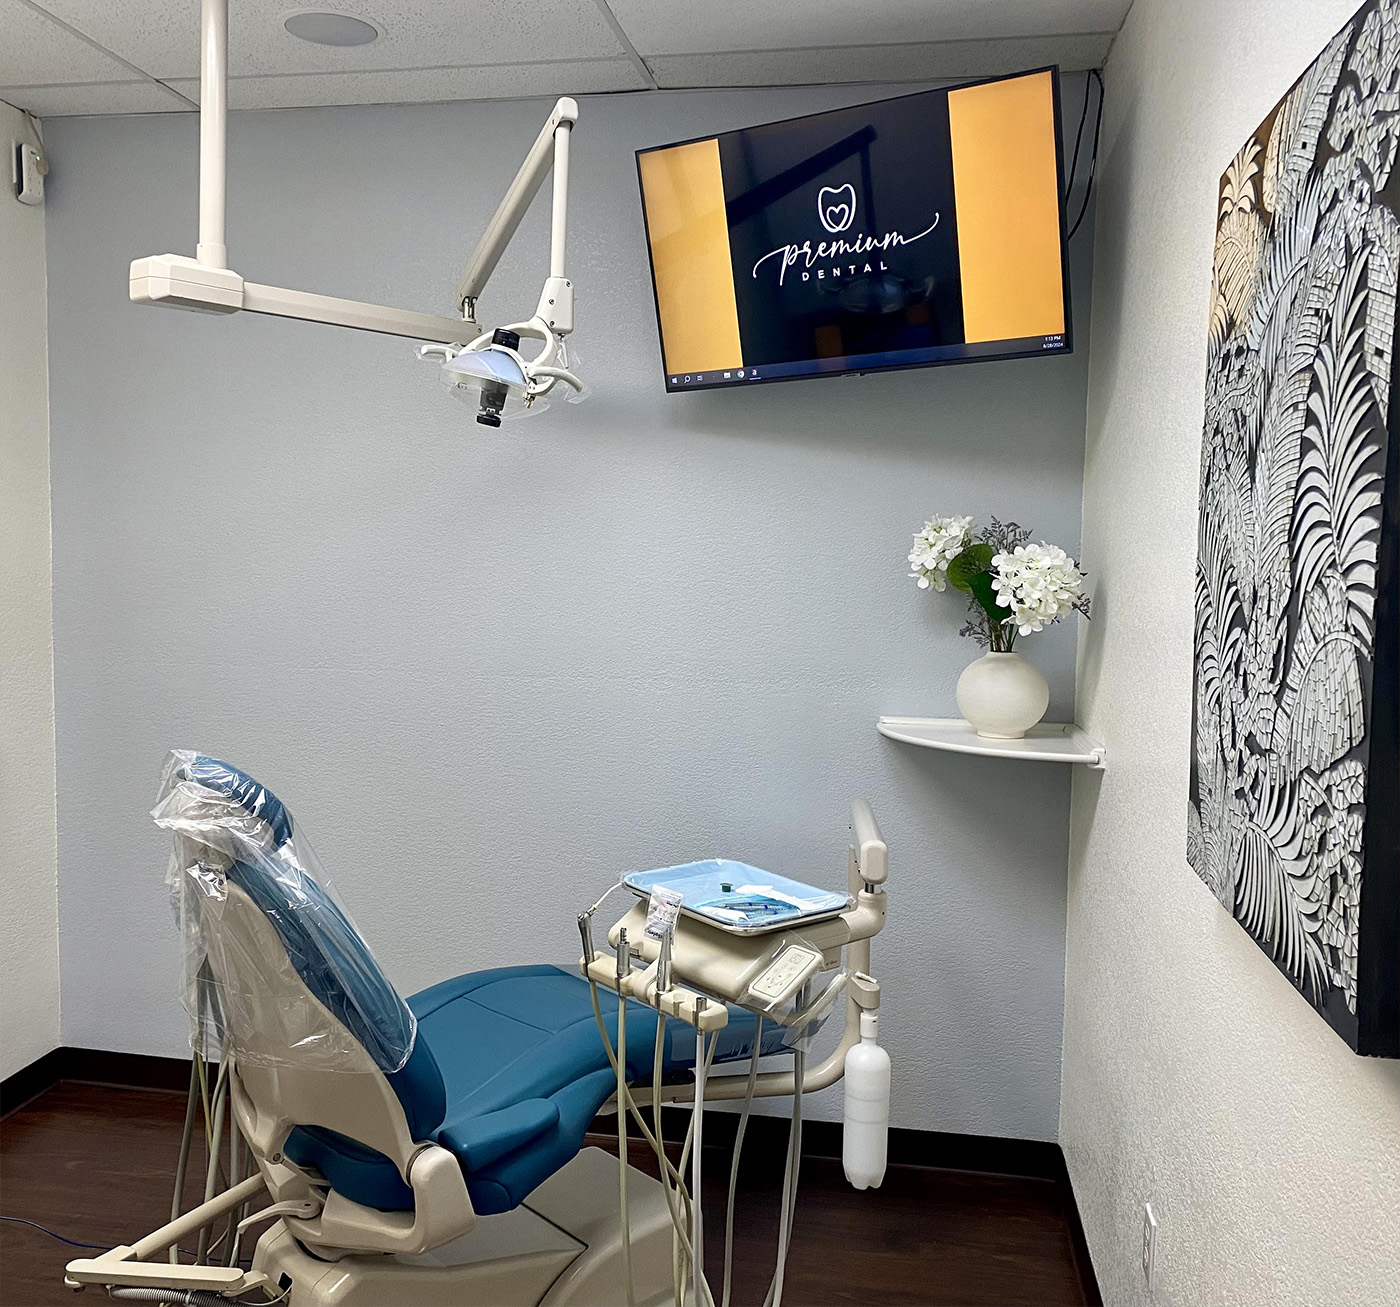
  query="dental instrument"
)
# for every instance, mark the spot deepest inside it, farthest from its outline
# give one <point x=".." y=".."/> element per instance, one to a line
<point x="484" y="365"/>
<point x="430" y="1151"/>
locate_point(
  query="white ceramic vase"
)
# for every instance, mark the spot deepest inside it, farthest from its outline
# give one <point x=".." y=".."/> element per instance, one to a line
<point x="1002" y="695"/>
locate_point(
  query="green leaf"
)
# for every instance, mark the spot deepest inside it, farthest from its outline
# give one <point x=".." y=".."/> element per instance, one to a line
<point x="971" y="572"/>
<point x="973" y="560"/>
<point x="981" y="587"/>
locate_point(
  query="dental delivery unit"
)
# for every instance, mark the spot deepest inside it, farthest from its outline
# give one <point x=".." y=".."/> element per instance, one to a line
<point x="429" y="1151"/>
<point x="487" y="367"/>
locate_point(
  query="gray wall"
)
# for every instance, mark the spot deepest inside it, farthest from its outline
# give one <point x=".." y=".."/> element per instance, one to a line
<point x="489" y="671"/>
<point x="29" y="981"/>
<point x="1196" y="1077"/>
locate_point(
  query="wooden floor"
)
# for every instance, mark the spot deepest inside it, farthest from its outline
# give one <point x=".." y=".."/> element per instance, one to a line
<point x="96" y="1165"/>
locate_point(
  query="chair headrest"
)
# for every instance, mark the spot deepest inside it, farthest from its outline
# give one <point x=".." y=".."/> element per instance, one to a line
<point x="255" y="799"/>
<point x="209" y="805"/>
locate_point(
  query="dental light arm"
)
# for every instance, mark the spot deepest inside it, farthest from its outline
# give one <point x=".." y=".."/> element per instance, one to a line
<point x="551" y="147"/>
<point x="509" y="372"/>
<point x="206" y="283"/>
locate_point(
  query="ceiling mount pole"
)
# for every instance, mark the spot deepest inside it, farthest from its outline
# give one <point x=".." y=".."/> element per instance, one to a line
<point x="213" y="132"/>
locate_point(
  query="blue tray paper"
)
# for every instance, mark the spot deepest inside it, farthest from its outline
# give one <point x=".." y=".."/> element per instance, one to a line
<point x="757" y="900"/>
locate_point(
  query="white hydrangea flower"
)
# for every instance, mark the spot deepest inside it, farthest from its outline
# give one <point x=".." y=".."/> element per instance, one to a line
<point x="1039" y="583"/>
<point x="941" y="541"/>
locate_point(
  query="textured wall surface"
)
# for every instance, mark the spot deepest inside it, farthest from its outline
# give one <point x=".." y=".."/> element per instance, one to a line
<point x="489" y="671"/>
<point x="1195" y="1076"/>
<point x="28" y="829"/>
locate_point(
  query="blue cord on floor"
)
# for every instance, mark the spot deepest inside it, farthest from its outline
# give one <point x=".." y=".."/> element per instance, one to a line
<point x="73" y="1243"/>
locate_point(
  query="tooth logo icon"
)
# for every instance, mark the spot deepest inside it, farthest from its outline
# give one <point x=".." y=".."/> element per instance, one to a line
<point x="836" y="207"/>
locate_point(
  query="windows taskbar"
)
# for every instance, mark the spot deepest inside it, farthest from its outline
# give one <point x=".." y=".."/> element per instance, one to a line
<point x="980" y="351"/>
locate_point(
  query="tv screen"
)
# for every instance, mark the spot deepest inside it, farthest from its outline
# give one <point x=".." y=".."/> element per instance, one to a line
<point x="920" y="230"/>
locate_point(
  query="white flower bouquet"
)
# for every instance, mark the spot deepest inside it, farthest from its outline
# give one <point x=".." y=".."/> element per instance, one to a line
<point x="1013" y="587"/>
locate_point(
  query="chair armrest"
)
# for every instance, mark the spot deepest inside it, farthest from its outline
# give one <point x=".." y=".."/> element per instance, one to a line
<point x="480" y="1140"/>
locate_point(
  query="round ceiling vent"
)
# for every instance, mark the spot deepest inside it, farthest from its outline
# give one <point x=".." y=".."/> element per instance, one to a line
<point x="325" y="28"/>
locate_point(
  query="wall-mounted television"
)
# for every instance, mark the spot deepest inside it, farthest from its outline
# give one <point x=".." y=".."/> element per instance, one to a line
<point x="908" y="232"/>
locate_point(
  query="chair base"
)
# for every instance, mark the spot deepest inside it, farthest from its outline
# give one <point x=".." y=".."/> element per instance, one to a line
<point x="561" y="1248"/>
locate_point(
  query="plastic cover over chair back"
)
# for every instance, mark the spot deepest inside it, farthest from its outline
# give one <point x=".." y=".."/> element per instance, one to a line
<point x="274" y="968"/>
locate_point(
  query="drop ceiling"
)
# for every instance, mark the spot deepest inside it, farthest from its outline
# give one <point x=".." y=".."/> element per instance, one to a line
<point x="65" y="57"/>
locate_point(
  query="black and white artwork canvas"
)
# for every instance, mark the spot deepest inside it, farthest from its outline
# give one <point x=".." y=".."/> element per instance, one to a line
<point x="1294" y="815"/>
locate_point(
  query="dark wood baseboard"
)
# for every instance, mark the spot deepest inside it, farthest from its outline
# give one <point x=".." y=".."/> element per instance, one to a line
<point x="29" y="1082"/>
<point x="985" y="1154"/>
<point x="766" y="1139"/>
<point x="1032" y="1159"/>
<point x="1027" y="1159"/>
<point x="92" y="1066"/>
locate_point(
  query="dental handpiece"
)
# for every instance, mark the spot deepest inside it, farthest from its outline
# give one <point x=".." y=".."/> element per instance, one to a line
<point x="624" y="957"/>
<point x="664" y="978"/>
<point x="585" y="930"/>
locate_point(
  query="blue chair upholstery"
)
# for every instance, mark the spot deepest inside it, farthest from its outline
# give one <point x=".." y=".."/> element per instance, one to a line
<point x="506" y="1070"/>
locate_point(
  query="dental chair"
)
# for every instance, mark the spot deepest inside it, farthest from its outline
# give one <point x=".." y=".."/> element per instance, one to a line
<point x="414" y="1152"/>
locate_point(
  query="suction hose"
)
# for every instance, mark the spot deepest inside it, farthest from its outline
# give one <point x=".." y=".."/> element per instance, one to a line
<point x="734" y="1164"/>
<point x="190" y="1297"/>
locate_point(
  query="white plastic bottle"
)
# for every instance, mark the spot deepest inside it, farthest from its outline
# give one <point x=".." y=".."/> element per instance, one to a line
<point x="865" y="1137"/>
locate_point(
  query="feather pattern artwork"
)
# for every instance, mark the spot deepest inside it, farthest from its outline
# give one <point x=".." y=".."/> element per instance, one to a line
<point x="1293" y="470"/>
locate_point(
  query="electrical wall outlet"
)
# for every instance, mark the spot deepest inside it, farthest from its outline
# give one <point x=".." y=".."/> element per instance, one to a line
<point x="1149" y="1245"/>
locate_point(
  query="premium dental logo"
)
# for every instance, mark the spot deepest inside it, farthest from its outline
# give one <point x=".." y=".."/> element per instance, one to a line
<point x="843" y="257"/>
<point x="836" y="207"/>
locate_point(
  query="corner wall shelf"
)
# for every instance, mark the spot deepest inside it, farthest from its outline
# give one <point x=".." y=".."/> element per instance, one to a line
<point x="1048" y="742"/>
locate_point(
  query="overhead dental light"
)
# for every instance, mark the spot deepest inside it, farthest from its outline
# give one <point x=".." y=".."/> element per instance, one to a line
<point x="495" y="374"/>
<point x="486" y="366"/>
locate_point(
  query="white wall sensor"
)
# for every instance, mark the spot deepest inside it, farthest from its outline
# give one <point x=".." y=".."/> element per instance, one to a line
<point x="28" y="174"/>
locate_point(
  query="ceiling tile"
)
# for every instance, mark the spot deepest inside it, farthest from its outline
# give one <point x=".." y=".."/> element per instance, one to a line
<point x="742" y="25"/>
<point x="161" y="37"/>
<point x="500" y="82"/>
<point x="878" y="63"/>
<point x="36" y="51"/>
<point x="95" y="98"/>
